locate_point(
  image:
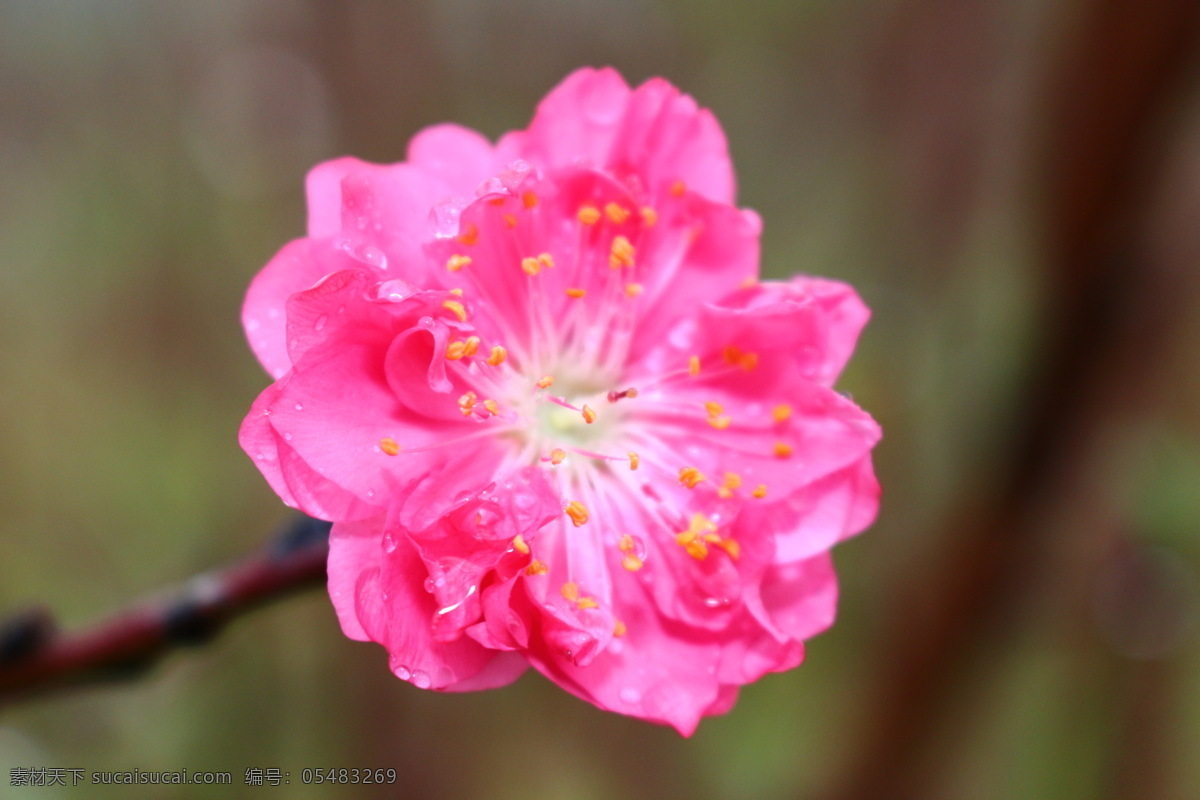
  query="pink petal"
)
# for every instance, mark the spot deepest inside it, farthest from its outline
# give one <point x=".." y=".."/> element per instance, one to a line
<point x="459" y="158"/>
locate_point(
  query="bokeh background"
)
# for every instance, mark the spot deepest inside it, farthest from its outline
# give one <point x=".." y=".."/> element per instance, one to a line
<point x="1013" y="187"/>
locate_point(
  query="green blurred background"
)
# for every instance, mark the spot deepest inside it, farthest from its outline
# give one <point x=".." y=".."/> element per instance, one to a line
<point x="1021" y="621"/>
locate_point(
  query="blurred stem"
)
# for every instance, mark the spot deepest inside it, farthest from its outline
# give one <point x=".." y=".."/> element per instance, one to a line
<point x="1106" y="309"/>
<point x="36" y="659"/>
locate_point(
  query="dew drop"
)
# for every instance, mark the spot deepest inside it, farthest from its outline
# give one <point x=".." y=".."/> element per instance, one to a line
<point x="320" y="323"/>
<point x="299" y="406"/>
<point x="389" y="544"/>
<point x="429" y="585"/>
<point x="421" y="680"/>
<point x="630" y="695"/>
<point x="260" y="456"/>
<point x="403" y="673"/>
<point x="445" y="218"/>
<point x="287" y="437"/>
<point x="370" y="492"/>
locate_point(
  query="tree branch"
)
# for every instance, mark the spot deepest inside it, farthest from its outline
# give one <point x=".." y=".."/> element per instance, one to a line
<point x="35" y="658"/>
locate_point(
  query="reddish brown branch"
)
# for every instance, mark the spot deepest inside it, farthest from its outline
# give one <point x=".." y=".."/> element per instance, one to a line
<point x="1107" y="306"/>
<point x="34" y="658"/>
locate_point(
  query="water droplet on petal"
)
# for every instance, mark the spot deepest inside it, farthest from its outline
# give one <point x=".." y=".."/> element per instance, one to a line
<point x="429" y="585"/>
<point x="389" y="543"/>
<point x="630" y="695"/>
<point x="403" y="673"/>
<point x="299" y="406"/>
<point x="490" y="186"/>
<point x="514" y="174"/>
<point x="320" y="323"/>
<point x="260" y="456"/>
<point x="287" y="437"/>
<point x="445" y="216"/>
<point x="421" y="680"/>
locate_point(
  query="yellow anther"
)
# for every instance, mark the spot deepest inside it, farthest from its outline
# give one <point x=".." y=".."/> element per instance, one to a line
<point x="537" y="568"/>
<point x="587" y="602"/>
<point x="576" y="293"/>
<point x="455" y="263"/>
<point x="732" y="481"/>
<point x="694" y="366"/>
<point x="731" y="354"/>
<point x="649" y="216"/>
<point x="690" y="476"/>
<point x="720" y="423"/>
<point x="633" y="289"/>
<point x="702" y="524"/>
<point x="731" y="547"/>
<point x="578" y="512"/>
<point x="631" y="562"/>
<point x="634" y="460"/>
<point x="519" y="545"/>
<point x="626" y="544"/>
<point x="589" y="414"/>
<point x="466" y="403"/>
<point x="389" y="446"/>
<point x="621" y="254"/>
<point x="510" y="220"/>
<point x="546" y="260"/>
<point x="748" y="361"/>
<point x="630" y="559"/>
<point x="783" y="449"/>
<point x="589" y="215"/>
<point x="456" y="308"/>
<point x="557" y="455"/>
<point x="492" y="406"/>
<point x="498" y="355"/>
<point x="470" y="234"/>
<point x="456" y="292"/>
<point x="529" y="199"/>
<point x="570" y="591"/>
<point x="456" y="350"/>
<point x="619" y="628"/>
<point x="760" y="491"/>
<point x="530" y="265"/>
<point x="496" y="201"/>
<point x="616" y="213"/>
<point x="781" y="412"/>
<point x="678" y="188"/>
<point x="714" y="409"/>
<point x="748" y="282"/>
<point x="545" y="382"/>
<point x="692" y="543"/>
<point x="471" y="346"/>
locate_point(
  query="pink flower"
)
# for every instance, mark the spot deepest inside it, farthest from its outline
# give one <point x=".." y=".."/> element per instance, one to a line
<point x="556" y="419"/>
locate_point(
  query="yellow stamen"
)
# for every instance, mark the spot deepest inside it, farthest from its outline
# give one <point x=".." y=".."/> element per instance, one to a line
<point x="536" y="568"/>
<point x="690" y="476"/>
<point x="519" y="545"/>
<point x="492" y="406"/>
<point x="693" y="544"/>
<point x="456" y="308"/>
<point x="619" y="628"/>
<point x="616" y="213"/>
<point x="466" y="403"/>
<point x="471" y="346"/>
<point x="633" y="289"/>
<point x="455" y="263"/>
<point x="545" y="382"/>
<point x="748" y="282"/>
<point x="576" y="293"/>
<point x="589" y="414"/>
<point x="456" y="292"/>
<point x="720" y="423"/>
<point x="587" y="602"/>
<point x="731" y="354"/>
<point x="456" y="350"/>
<point x="531" y="266"/>
<point x="678" y="188"/>
<point x="626" y="544"/>
<point x="578" y="512"/>
<point x="781" y="412"/>
<point x="634" y="460"/>
<point x="510" y="220"/>
<point x="782" y="449"/>
<point x="731" y="547"/>
<point x="748" y="361"/>
<point x="621" y="254"/>
<point x="529" y="199"/>
<point x="498" y="355"/>
<point x="694" y="366"/>
<point x="632" y="562"/>
<point x="760" y="491"/>
<point x="470" y="235"/>
<point x="589" y="215"/>
<point x="570" y="591"/>
<point x="649" y="216"/>
<point x="557" y="455"/>
<point x="732" y="481"/>
<point x="496" y="201"/>
<point x="389" y="446"/>
<point x="546" y="260"/>
<point x="714" y="409"/>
